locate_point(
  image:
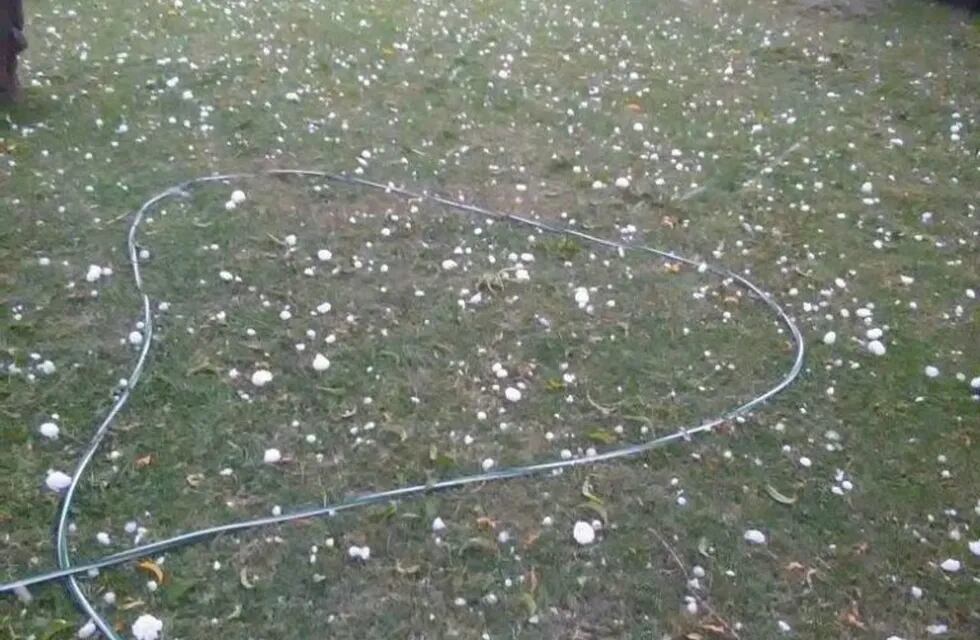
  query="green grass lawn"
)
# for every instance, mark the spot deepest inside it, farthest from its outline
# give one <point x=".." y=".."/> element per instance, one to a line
<point x="834" y="158"/>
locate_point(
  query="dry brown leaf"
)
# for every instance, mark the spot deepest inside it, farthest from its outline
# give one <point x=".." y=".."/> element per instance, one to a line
<point x="144" y="461"/>
<point x="132" y="604"/>
<point x="853" y="618"/>
<point x="531" y="538"/>
<point x="715" y="629"/>
<point x="151" y="568"/>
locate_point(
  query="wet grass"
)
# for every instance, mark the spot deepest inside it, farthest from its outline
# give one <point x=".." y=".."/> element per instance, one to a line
<point x="746" y="131"/>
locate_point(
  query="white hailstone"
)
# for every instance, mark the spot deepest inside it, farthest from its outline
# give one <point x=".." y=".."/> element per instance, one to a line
<point x="291" y="240"/>
<point x="698" y="571"/>
<point x="323" y="307"/>
<point x="103" y="538"/>
<point x="598" y="184"/>
<point x="135" y="338"/>
<point x="323" y="255"/>
<point x="512" y="394"/>
<point x="829" y="338"/>
<point x="906" y="279"/>
<point x="292" y="96"/>
<point x="438" y="525"/>
<point x="754" y="536"/>
<point x="894" y="638"/>
<point x="951" y="565"/>
<point x="691" y="605"/>
<point x="57" y="481"/>
<point x="547" y="521"/>
<point x="806" y="462"/>
<point x="932" y="372"/>
<point x="916" y="592"/>
<point x="87" y="630"/>
<point x="867" y="188"/>
<point x="231" y="205"/>
<point x="94" y="273"/>
<point x="784" y="626"/>
<point x="238" y="196"/>
<point x="876" y="348"/>
<point x="937" y="629"/>
<point x="276" y="510"/>
<point x="622" y="182"/>
<point x="261" y="377"/>
<point x="581" y="296"/>
<point x="47" y="367"/>
<point x="226" y="276"/>
<point x="44" y="261"/>
<point x="359" y="553"/>
<point x="583" y="533"/>
<point x="488" y="464"/>
<point x="974" y="547"/>
<point x="147" y="627"/>
<point x="975" y="384"/>
<point x="321" y="362"/>
<point x="49" y="430"/>
<point x="874" y="333"/>
<point x="449" y="265"/>
<point x="637" y="126"/>
<point x="272" y="456"/>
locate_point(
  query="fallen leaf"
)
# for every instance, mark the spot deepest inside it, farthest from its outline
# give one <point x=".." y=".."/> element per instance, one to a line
<point x="243" y="579"/>
<point x="779" y="497"/>
<point x="852" y="617"/>
<point x="531" y="538"/>
<point x="588" y="493"/>
<point x="601" y="436"/>
<point x="715" y="629"/>
<point x="596" y="508"/>
<point x="151" y="568"/>
<point x="132" y="604"/>
<point x="406" y="571"/>
<point x="145" y="461"/>
<point x="479" y="544"/>
<point x="703" y="547"/>
<point x="528" y="600"/>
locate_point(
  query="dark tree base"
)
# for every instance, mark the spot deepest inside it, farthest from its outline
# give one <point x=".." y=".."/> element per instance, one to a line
<point x="12" y="42"/>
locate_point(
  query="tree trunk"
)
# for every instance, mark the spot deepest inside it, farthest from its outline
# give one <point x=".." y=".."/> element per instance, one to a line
<point x="12" y="42"/>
